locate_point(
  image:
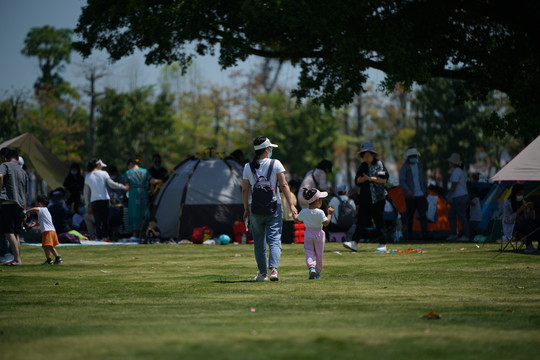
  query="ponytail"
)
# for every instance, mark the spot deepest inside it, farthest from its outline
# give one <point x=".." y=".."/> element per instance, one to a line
<point x="255" y="162"/>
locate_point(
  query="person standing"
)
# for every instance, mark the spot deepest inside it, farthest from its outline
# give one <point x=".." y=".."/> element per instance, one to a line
<point x="371" y="178"/>
<point x="13" y="187"/>
<point x="97" y="197"/>
<point x="315" y="178"/>
<point x="266" y="228"/>
<point x="74" y="184"/>
<point x="413" y="182"/>
<point x="314" y="237"/>
<point x="139" y="180"/>
<point x="458" y="198"/>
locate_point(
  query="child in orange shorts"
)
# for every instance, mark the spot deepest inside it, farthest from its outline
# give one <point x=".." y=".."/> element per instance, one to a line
<point x="49" y="239"/>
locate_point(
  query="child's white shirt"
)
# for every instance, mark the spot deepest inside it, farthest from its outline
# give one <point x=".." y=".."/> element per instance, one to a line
<point x="45" y="219"/>
<point x="312" y="218"/>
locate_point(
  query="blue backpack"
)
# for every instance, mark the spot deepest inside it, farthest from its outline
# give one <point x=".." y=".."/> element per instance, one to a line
<point x="263" y="198"/>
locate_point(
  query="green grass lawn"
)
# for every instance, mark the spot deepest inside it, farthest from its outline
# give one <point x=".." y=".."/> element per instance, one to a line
<point x="196" y="302"/>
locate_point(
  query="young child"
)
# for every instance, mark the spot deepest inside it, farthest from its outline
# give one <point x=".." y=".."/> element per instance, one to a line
<point x="475" y="213"/>
<point x="314" y="219"/>
<point x="152" y="233"/>
<point x="49" y="239"/>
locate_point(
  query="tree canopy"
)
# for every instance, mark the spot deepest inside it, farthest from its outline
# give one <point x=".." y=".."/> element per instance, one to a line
<point x="489" y="44"/>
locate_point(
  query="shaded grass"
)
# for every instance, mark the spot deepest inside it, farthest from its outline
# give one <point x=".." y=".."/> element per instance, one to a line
<point x="189" y="301"/>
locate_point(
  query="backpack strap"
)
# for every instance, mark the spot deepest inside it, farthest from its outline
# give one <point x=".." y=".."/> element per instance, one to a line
<point x="268" y="174"/>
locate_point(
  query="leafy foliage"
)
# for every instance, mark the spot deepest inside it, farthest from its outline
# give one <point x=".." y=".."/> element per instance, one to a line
<point x="487" y="44"/>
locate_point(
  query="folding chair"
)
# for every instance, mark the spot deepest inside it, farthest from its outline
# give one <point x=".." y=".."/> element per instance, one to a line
<point x="511" y="241"/>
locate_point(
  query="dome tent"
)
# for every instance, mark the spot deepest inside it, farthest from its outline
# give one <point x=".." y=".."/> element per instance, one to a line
<point x="200" y="192"/>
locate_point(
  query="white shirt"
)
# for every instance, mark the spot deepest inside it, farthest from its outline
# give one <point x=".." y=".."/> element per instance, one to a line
<point x="261" y="171"/>
<point x="312" y="218"/>
<point x="458" y="176"/>
<point x="335" y="204"/>
<point x="45" y="220"/>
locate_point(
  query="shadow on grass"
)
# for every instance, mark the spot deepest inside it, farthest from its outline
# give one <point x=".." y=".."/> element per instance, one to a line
<point x="233" y="281"/>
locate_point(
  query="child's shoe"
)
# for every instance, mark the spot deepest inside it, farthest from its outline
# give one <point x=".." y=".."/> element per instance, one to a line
<point x="318" y="276"/>
<point x="48" y="262"/>
<point x="312" y="274"/>
<point x="58" y="260"/>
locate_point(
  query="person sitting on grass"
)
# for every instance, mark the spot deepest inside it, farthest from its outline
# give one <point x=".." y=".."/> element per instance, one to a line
<point x="49" y="239"/>
<point x="152" y="232"/>
<point x="314" y="237"/>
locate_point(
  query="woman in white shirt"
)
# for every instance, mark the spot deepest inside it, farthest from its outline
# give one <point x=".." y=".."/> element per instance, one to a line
<point x="458" y="197"/>
<point x="266" y="228"/>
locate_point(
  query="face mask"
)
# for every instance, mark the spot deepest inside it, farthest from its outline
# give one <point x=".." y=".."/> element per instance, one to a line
<point x="413" y="160"/>
<point x="519" y="197"/>
<point x="73" y="172"/>
<point x="270" y="155"/>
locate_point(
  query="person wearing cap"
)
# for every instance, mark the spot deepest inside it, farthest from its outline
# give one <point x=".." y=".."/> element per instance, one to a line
<point x="315" y="178"/>
<point x="458" y="196"/>
<point x="371" y="178"/>
<point x="413" y="182"/>
<point x="97" y="197"/>
<point x="334" y="225"/>
<point x="266" y="229"/>
<point x="314" y="237"/>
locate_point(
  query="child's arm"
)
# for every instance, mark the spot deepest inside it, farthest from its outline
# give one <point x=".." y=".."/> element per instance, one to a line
<point x="35" y="209"/>
<point x="329" y="217"/>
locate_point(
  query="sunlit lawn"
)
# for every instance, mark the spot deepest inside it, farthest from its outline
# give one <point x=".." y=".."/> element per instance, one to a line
<point x="196" y="302"/>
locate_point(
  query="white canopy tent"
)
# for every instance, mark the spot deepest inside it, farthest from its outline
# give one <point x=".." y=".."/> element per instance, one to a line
<point x="47" y="165"/>
<point x="525" y="166"/>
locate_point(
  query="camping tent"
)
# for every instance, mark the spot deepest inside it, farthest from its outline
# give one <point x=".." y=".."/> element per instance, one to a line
<point x="197" y="193"/>
<point x="524" y="167"/>
<point x="47" y="165"/>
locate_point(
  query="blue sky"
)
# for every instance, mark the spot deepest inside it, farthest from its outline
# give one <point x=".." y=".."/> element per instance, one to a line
<point x="18" y="72"/>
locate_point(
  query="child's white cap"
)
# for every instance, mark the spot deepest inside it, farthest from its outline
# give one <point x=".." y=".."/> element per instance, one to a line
<point x="99" y="162"/>
<point x="318" y="195"/>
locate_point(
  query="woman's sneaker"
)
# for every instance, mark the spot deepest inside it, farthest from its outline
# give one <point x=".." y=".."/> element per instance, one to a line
<point x="260" y="277"/>
<point x="274" y="275"/>
<point x="47" y="262"/>
<point x="312" y="274"/>
<point x="381" y="248"/>
<point x="58" y="260"/>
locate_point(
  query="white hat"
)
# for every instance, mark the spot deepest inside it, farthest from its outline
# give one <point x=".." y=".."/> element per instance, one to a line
<point x="265" y="144"/>
<point x="318" y="195"/>
<point x="455" y="158"/>
<point x="411" y="152"/>
<point x="99" y="162"/>
<point x="21" y="161"/>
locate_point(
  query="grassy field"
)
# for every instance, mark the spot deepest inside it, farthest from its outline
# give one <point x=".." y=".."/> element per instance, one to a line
<point x="196" y="302"/>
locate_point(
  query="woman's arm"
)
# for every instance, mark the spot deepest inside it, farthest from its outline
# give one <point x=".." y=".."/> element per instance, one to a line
<point x="245" y="197"/>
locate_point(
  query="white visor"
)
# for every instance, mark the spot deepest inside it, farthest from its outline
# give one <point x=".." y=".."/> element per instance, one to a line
<point x="264" y="145"/>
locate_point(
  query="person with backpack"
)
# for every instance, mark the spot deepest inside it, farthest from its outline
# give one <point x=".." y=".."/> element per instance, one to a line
<point x="315" y="178"/>
<point x="344" y="211"/>
<point x="260" y="179"/>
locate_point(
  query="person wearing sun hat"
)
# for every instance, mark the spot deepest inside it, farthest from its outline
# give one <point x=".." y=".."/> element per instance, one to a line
<point x="413" y="182"/>
<point x="370" y="178"/>
<point x="266" y="228"/>
<point x="314" y="237"/>
<point x="458" y="196"/>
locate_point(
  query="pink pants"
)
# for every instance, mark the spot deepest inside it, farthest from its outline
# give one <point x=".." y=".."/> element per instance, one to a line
<point x="314" y="247"/>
